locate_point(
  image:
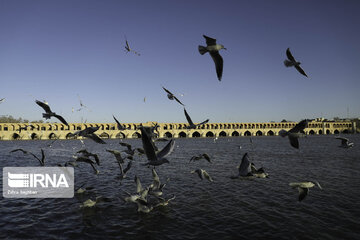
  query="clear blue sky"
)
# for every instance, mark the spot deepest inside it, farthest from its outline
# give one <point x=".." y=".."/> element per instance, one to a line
<point x="57" y="50"/>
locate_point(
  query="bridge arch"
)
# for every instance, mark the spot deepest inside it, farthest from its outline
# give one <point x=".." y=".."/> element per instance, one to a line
<point x="235" y="134"/>
<point x="52" y="136"/>
<point x="182" y="134"/>
<point x="34" y="136"/>
<point x="16" y="136"/>
<point x="320" y="132"/>
<point x="311" y="132"/>
<point x="120" y="135"/>
<point x="136" y="135"/>
<point x="222" y="134"/>
<point x="196" y="134"/>
<point x="168" y="135"/>
<point x="104" y="135"/>
<point x="336" y="131"/>
<point x="70" y="136"/>
<point x="247" y="133"/>
<point x="259" y="133"/>
<point x="209" y="134"/>
<point x="270" y="133"/>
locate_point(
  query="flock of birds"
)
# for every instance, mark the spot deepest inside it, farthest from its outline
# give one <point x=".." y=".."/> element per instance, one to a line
<point x="150" y="197"/>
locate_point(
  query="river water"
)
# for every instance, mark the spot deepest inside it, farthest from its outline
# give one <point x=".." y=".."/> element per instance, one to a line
<point x="223" y="209"/>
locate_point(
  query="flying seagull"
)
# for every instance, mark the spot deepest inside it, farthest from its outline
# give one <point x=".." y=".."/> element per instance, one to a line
<point x="156" y="187"/>
<point x="155" y="159"/>
<point x="129" y="149"/>
<point x="41" y="161"/>
<point x="345" y="143"/>
<point x="89" y="132"/>
<point x="303" y="188"/>
<point x="248" y="170"/>
<point x="290" y="62"/>
<point x="191" y="124"/>
<point x="294" y="133"/>
<point x="171" y="96"/>
<point x="118" y="125"/>
<point x="128" y="49"/>
<point x="48" y="113"/>
<point x="213" y="50"/>
<point x="87" y="154"/>
<point x="201" y="156"/>
<point x="2" y="100"/>
<point x="203" y="174"/>
<point x="87" y="160"/>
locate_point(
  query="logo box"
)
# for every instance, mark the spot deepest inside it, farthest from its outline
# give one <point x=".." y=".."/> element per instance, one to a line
<point x="38" y="182"/>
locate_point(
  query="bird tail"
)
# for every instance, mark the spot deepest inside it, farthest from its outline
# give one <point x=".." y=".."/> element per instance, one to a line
<point x="202" y="50"/>
<point x="287" y="63"/>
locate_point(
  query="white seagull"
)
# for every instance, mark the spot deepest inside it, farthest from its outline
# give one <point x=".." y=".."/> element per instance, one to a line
<point x="213" y="50"/>
<point x="303" y="188"/>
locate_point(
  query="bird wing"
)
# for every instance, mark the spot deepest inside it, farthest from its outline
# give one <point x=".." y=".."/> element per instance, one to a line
<point x="206" y="121"/>
<point x="210" y="41"/>
<point x="96" y="138"/>
<point x="289" y="55"/>
<point x="97" y="160"/>
<point x="128" y="166"/>
<point x="302" y="193"/>
<point x="156" y="179"/>
<point x="148" y="145"/>
<point x="88" y="130"/>
<point x="207" y="176"/>
<point x="139" y="188"/>
<point x="299" y="127"/>
<point x="19" y="149"/>
<point x="166" y="150"/>
<point x="126" y="145"/>
<point x="42" y="157"/>
<point x="167" y="91"/>
<point x="245" y="166"/>
<point x="218" y="60"/>
<point x="301" y="70"/>
<point x="44" y="106"/>
<point x="61" y="119"/>
<point x="188" y="118"/>
<point x="344" y="141"/>
<point x="178" y="101"/>
<point x="206" y="157"/>
<point x="119" y="126"/>
<point x="294" y="141"/>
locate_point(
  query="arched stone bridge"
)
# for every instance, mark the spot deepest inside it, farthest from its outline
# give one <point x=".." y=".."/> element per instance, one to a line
<point x="11" y="131"/>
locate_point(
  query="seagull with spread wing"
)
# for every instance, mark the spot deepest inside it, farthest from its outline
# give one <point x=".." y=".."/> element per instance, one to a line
<point x="128" y="49"/>
<point x="294" y="133"/>
<point x="191" y="124"/>
<point x="345" y="143"/>
<point x="48" y="113"/>
<point x="291" y="62"/>
<point x="89" y="132"/>
<point x="213" y="48"/>
<point x="155" y="158"/>
<point x="171" y="96"/>
<point x="303" y="188"/>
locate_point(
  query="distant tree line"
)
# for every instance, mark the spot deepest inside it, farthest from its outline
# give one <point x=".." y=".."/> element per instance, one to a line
<point x="11" y="119"/>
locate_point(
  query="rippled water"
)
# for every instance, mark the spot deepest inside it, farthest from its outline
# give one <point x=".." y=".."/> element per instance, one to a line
<point x="223" y="209"/>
